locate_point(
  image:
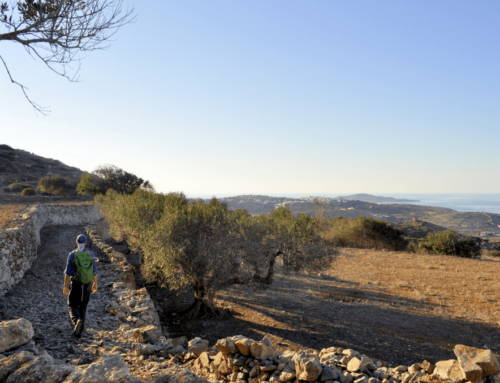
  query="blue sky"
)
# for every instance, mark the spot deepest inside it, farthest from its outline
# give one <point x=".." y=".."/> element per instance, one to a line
<point x="269" y="97"/>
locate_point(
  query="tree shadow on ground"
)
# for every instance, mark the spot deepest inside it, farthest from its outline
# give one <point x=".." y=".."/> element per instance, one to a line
<point x="306" y="315"/>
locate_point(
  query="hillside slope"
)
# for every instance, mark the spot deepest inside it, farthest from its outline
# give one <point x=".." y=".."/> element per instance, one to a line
<point x="18" y="165"/>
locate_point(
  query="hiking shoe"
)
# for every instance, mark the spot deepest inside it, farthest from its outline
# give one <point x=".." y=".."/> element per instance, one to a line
<point x="78" y="328"/>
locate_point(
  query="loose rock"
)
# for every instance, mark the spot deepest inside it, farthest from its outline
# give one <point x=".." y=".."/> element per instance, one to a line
<point x="15" y="333"/>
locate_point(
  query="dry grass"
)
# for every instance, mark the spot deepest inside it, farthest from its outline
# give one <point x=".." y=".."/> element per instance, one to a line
<point x="8" y="212"/>
<point x="453" y="287"/>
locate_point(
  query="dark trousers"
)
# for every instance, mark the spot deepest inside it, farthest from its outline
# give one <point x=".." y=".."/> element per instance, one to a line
<point x="78" y="299"/>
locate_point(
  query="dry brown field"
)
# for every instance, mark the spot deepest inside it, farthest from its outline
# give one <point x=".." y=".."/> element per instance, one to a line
<point x="397" y="307"/>
<point x="9" y="211"/>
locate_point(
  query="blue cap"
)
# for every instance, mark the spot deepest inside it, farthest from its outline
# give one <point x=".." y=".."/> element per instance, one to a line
<point x="81" y="239"/>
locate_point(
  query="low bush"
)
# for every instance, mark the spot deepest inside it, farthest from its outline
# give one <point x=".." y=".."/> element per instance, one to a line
<point x="56" y="185"/>
<point x="28" y="192"/>
<point x="450" y="243"/>
<point x="367" y="233"/>
<point x="493" y="253"/>
<point x="18" y="187"/>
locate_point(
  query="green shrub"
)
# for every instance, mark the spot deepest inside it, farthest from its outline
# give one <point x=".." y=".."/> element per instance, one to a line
<point x="367" y="233"/>
<point x="92" y="184"/>
<point x="28" y="192"/>
<point x="108" y="177"/>
<point x="450" y="243"/>
<point x="17" y="187"/>
<point x="56" y="185"/>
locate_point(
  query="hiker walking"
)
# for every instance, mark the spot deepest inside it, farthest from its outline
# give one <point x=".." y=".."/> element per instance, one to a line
<point x="82" y="269"/>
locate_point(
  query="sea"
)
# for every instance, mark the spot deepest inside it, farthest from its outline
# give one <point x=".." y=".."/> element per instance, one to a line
<point x="487" y="203"/>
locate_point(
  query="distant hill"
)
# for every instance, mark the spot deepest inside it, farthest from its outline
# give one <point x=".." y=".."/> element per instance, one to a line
<point x="18" y="165"/>
<point x="373" y="198"/>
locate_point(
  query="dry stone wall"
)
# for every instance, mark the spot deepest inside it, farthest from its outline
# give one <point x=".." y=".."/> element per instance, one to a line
<point x="19" y="242"/>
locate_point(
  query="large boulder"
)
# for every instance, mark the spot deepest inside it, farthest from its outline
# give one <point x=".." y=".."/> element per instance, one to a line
<point x="107" y="369"/>
<point x="12" y="363"/>
<point x="307" y="366"/>
<point x="15" y="333"/>
<point x="472" y="357"/>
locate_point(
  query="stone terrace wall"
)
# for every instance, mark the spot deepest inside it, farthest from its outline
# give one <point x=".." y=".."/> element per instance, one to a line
<point x="19" y="242"/>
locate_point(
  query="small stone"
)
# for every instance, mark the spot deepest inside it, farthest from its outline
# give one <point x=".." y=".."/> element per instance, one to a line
<point x="427" y="367"/>
<point x="254" y="371"/>
<point x="261" y="351"/>
<point x="307" y="366"/>
<point x="350" y="353"/>
<point x="204" y="359"/>
<point x="449" y="370"/>
<point x="345" y="377"/>
<point x="360" y="363"/>
<point x="329" y="374"/>
<point x="406" y="377"/>
<point x="243" y="346"/>
<point x="180" y="341"/>
<point x="414" y="368"/>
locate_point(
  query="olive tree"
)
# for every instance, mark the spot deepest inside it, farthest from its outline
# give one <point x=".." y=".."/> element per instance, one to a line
<point x="59" y="31"/>
<point x="208" y="247"/>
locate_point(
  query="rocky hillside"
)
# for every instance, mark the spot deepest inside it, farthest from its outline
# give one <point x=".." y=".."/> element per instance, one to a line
<point x="467" y="223"/>
<point x="18" y="165"/>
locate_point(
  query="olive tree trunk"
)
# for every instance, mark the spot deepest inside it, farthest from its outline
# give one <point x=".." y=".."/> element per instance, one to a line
<point x="203" y="305"/>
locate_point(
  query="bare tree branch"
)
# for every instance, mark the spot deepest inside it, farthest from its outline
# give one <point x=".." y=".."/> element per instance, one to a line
<point x="42" y="109"/>
<point x="59" y="31"/>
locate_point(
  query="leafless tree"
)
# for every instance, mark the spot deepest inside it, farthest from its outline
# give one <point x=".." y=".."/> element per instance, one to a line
<point x="59" y="31"/>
